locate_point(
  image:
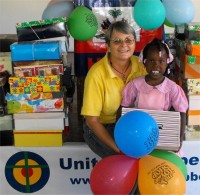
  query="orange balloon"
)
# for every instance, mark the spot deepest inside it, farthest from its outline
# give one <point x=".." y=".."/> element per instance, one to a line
<point x="159" y="176"/>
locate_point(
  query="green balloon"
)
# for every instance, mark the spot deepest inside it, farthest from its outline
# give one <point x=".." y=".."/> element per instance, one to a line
<point x="167" y="23"/>
<point x="171" y="157"/>
<point x="82" y="24"/>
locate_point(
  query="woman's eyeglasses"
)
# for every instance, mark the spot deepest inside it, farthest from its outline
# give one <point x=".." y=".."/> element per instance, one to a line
<point x="127" y="41"/>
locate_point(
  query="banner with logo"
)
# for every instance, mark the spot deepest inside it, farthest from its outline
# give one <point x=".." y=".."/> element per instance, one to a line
<point x="66" y="169"/>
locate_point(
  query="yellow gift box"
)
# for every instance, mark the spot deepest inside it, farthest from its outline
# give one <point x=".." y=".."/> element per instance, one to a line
<point x="193" y="86"/>
<point x="37" y="84"/>
<point x="38" y="138"/>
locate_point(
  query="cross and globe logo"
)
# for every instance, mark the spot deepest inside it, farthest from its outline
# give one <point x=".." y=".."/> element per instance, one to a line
<point x="27" y="172"/>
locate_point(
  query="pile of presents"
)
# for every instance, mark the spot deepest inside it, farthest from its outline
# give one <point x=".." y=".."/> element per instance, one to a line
<point x="40" y="76"/>
<point x="188" y="73"/>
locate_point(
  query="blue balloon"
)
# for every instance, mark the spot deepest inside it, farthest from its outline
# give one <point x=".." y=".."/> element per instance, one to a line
<point x="136" y="133"/>
<point x="179" y="11"/>
<point x="149" y="14"/>
<point x="58" y="10"/>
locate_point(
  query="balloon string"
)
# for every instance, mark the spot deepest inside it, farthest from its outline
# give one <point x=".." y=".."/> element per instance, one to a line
<point x="35" y="33"/>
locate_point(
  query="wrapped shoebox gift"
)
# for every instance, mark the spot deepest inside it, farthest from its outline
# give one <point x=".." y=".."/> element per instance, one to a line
<point x="29" y="106"/>
<point x="5" y="62"/>
<point x="42" y="29"/>
<point x="193" y="47"/>
<point x="193" y="113"/>
<point x="38" y="138"/>
<point x="192" y="132"/>
<point x="39" y="121"/>
<point x="190" y="67"/>
<point x="27" y="85"/>
<point x="36" y="62"/>
<point x="192" y="31"/>
<point x="169" y="127"/>
<point x="193" y="86"/>
<point x="35" y="96"/>
<point x="39" y="70"/>
<point x="37" y="50"/>
<point x="193" y="117"/>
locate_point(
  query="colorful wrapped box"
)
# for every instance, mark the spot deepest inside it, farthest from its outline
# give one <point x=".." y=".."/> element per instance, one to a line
<point x="35" y="96"/>
<point x="192" y="31"/>
<point x="42" y="29"/>
<point x="37" y="50"/>
<point x="190" y="67"/>
<point x="193" y="86"/>
<point x="38" y="138"/>
<point x="39" y="121"/>
<point x="5" y="62"/>
<point x="193" y="48"/>
<point x="193" y="113"/>
<point x="38" y="84"/>
<point x="40" y="70"/>
<point x="29" y="106"/>
<point x="169" y="127"/>
<point x="192" y="132"/>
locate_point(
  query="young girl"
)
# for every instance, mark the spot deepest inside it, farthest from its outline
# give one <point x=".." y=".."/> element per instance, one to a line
<point x="154" y="91"/>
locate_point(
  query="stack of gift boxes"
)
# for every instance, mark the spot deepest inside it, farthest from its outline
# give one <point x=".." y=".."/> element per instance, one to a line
<point x="188" y="63"/>
<point x="36" y="97"/>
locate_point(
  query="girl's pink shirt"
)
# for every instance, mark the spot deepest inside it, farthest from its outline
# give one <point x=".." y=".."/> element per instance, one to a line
<point x="137" y="93"/>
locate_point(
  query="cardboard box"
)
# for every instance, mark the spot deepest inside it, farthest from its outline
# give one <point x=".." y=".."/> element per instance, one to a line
<point x="193" y="117"/>
<point x="193" y="114"/>
<point x="193" y="86"/>
<point x="169" y="127"/>
<point x="193" y="48"/>
<point x="192" y="31"/>
<point x="30" y="106"/>
<point x="192" y="132"/>
<point x="194" y="102"/>
<point x="37" y="62"/>
<point x="37" y="50"/>
<point x="40" y="70"/>
<point x="39" y="121"/>
<point x="39" y="84"/>
<point x="38" y="138"/>
<point x="42" y="29"/>
<point x="35" y="96"/>
<point x="190" y="67"/>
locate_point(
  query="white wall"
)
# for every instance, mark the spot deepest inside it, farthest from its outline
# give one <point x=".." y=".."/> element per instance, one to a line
<point x="14" y="11"/>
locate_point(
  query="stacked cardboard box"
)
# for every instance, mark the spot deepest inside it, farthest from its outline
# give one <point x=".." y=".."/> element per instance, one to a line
<point x="36" y="97"/>
<point x="169" y="127"/>
<point x="188" y="60"/>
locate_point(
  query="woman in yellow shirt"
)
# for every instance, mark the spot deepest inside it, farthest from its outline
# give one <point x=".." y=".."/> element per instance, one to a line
<point x="103" y="88"/>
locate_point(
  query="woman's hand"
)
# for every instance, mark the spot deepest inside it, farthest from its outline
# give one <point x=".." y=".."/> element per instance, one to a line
<point x="100" y="131"/>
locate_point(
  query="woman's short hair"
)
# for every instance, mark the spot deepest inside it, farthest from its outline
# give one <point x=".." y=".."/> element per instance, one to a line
<point x="119" y="26"/>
